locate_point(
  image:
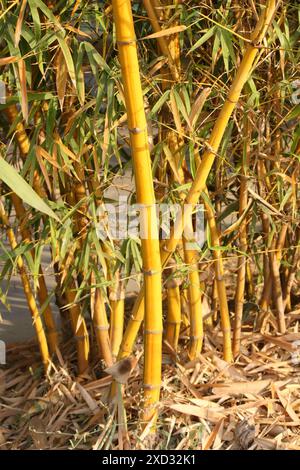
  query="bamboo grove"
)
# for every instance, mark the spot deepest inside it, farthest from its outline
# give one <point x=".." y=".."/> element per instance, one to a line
<point x="195" y="103"/>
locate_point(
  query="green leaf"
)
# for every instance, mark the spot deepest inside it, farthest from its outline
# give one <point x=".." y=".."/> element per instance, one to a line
<point x="227" y="48"/>
<point x="156" y="108"/>
<point x="216" y="47"/>
<point x="36" y="18"/>
<point x="11" y="177"/>
<point x="225" y="51"/>
<point x="203" y="39"/>
<point x="47" y="12"/>
<point x="95" y="59"/>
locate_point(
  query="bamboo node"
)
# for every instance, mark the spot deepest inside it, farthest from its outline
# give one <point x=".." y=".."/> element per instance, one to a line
<point x="231" y="101"/>
<point x="137" y="320"/>
<point x="153" y="332"/>
<point x="136" y="130"/>
<point x="150" y="272"/>
<point x="80" y="338"/>
<point x="209" y="148"/>
<point x="151" y="387"/>
<point x="126" y="42"/>
<point x="101" y="328"/>
<point x="255" y="43"/>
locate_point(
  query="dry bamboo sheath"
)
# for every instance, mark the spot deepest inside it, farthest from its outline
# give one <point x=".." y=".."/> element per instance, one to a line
<point x="145" y="196"/>
<point x="205" y="166"/>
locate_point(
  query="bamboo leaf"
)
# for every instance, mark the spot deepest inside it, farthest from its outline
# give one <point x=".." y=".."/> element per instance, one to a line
<point x="47" y="12"/>
<point x="216" y="47"/>
<point x="16" y="183"/>
<point x="80" y="76"/>
<point x="158" y="105"/>
<point x="8" y="60"/>
<point x="227" y="49"/>
<point x="20" y="23"/>
<point x="203" y="39"/>
<point x="68" y="58"/>
<point x="95" y="59"/>
<point x="23" y="89"/>
<point x="198" y="106"/>
<point x="36" y="18"/>
<point x="61" y="78"/>
<point x="166" y="32"/>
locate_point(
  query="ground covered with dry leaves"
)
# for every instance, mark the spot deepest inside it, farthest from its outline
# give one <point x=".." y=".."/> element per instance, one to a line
<point x="205" y="404"/>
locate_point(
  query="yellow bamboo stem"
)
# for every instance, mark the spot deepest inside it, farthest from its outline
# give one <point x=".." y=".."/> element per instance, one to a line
<point x="117" y="315"/>
<point x="242" y="261"/>
<point x="185" y="310"/>
<point x="78" y="323"/>
<point x="172" y="53"/>
<point x="173" y="319"/>
<point x="37" y="321"/>
<point x="79" y="191"/>
<point x="116" y="325"/>
<point x="274" y="258"/>
<point x="195" y="301"/>
<point x="219" y="273"/>
<point x="266" y="294"/>
<point x="290" y="279"/>
<point x="51" y="331"/>
<point x="132" y="329"/>
<point x="145" y="195"/>
<point x="101" y="327"/>
<point x="79" y="329"/>
<point x="220" y="282"/>
<point x="173" y="316"/>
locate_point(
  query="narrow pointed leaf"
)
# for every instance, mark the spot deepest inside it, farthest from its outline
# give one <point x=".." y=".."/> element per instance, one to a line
<point x="14" y="180"/>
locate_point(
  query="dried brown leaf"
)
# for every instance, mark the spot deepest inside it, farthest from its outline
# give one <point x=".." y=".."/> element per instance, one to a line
<point x="166" y="32"/>
<point x="201" y="412"/>
<point x="20" y="23"/>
